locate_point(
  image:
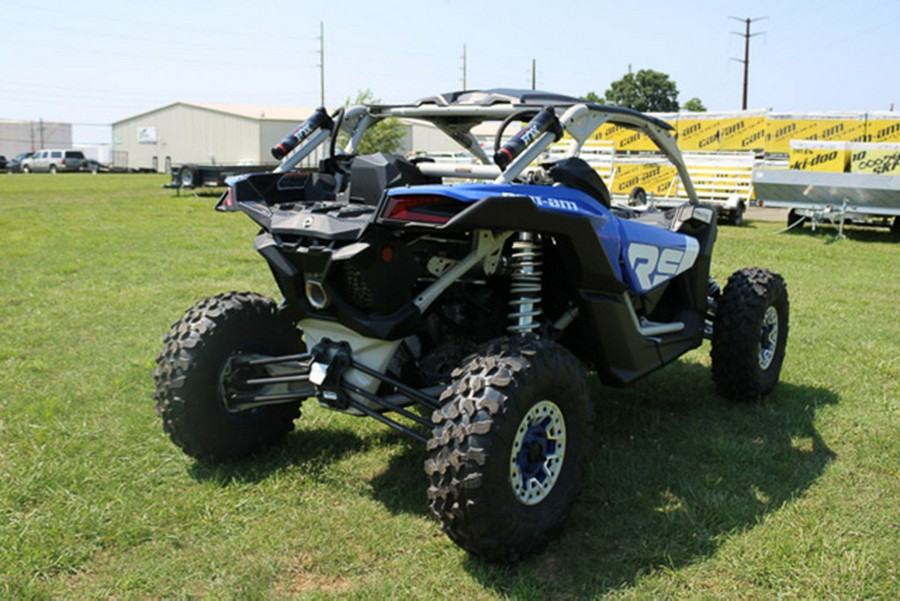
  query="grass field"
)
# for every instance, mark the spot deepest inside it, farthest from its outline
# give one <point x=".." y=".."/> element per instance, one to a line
<point x="687" y="495"/>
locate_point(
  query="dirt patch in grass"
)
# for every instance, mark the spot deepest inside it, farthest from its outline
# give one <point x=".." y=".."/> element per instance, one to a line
<point x="303" y="577"/>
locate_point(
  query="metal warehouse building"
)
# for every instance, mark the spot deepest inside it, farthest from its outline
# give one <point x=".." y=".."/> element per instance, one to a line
<point x="226" y="134"/>
<point x="29" y="136"/>
<point x="210" y="134"/>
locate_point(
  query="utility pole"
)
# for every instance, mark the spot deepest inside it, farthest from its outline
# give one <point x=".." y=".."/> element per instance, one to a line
<point x="322" y="61"/>
<point x="533" y="74"/>
<point x="465" y="84"/>
<point x="747" y="35"/>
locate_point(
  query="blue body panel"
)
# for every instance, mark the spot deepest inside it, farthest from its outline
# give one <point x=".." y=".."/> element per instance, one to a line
<point x="642" y="256"/>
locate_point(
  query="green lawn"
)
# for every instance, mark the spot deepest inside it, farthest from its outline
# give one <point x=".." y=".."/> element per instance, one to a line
<point x="687" y="495"/>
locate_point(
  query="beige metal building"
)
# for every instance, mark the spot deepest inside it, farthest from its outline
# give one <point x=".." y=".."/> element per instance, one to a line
<point x="203" y="133"/>
<point x="226" y="134"/>
<point x="29" y="136"/>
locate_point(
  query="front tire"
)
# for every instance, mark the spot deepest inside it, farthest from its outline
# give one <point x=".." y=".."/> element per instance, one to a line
<point x="509" y="448"/>
<point x="750" y="334"/>
<point x="191" y="369"/>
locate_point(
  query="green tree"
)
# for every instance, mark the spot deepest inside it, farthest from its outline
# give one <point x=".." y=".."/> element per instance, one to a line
<point x="694" y="105"/>
<point x="386" y="135"/>
<point x="592" y="97"/>
<point x="647" y="90"/>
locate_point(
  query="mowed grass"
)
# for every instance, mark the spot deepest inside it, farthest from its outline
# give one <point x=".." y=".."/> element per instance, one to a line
<point x="686" y="495"/>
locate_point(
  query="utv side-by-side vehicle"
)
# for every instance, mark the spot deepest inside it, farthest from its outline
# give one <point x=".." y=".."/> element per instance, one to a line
<point x="482" y="293"/>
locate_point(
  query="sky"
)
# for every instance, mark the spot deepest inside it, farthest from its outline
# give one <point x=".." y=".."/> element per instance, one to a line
<point x="94" y="63"/>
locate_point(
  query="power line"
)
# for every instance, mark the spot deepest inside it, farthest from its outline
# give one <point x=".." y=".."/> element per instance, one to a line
<point x="747" y="35"/>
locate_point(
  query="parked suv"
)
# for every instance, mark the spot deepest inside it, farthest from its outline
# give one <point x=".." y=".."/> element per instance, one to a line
<point x="54" y="160"/>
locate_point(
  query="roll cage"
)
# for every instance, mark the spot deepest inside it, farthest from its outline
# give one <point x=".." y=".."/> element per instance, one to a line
<point x="457" y="113"/>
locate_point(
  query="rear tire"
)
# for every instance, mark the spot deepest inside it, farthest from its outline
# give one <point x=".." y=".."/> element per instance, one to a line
<point x="190" y="375"/>
<point x="509" y="448"/>
<point x="750" y="334"/>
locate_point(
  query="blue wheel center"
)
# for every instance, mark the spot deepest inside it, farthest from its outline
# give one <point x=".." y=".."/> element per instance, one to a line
<point x="538" y="453"/>
<point x="536" y="447"/>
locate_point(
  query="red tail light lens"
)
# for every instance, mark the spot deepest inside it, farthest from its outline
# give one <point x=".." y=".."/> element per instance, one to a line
<point x="422" y="208"/>
<point x="226" y="201"/>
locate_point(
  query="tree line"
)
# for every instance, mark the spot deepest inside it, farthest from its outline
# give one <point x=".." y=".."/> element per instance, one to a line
<point x="646" y="91"/>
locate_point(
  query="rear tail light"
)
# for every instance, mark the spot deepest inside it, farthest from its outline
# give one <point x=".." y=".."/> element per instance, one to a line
<point x="226" y="201"/>
<point x="422" y="208"/>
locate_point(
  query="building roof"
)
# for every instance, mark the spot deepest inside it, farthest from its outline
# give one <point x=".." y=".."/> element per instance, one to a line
<point x="259" y="112"/>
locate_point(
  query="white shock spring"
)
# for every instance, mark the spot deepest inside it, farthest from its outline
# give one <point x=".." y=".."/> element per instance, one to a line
<point x="525" y="290"/>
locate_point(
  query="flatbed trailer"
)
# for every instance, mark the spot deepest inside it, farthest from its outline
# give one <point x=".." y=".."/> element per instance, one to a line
<point x="192" y="175"/>
<point x="860" y="198"/>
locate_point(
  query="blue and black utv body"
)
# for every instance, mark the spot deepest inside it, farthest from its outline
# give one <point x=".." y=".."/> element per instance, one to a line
<point x="480" y="291"/>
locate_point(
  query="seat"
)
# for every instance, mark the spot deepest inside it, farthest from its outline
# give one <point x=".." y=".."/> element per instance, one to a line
<point x="576" y="173"/>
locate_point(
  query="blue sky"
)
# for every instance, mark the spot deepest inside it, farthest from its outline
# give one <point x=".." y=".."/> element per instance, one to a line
<point x="98" y="62"/>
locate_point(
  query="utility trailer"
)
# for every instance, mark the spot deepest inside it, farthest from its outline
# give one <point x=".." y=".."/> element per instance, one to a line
<point x="647" y="180"/>
<point x="859" y="198"/>
<point x="720" y="179"/>
<point x="191" y="175"/>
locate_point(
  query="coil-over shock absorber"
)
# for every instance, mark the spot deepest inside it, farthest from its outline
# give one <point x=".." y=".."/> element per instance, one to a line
<point x="525" y="290"/>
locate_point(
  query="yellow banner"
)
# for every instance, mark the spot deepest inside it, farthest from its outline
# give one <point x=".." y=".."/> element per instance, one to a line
<point x="781" y="129"/>
<point x="744" y="131"/>
<point x="882" y="127"/>
<point x="833" y="157"/>
<point x="630" y="140"/>
<point x="624" y="138"/>
<point x="654" y="177"/>
<point x="699" y="131"/>
<point x="882" y="159"/>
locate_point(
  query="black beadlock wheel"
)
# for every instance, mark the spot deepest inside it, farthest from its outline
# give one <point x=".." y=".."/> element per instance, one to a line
<point x="192" y="370"/>
<point x="750" y="334"/>
<point x="509" y="448"/>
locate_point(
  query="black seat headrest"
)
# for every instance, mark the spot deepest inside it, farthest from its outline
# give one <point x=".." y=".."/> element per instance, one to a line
<point x="577" y="173"/>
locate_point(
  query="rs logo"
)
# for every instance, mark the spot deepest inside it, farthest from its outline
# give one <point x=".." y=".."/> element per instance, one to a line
<point x="652" y="266"/>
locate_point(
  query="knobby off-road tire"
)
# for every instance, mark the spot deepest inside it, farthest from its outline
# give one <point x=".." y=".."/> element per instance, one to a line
<point x="509" y="448"/>
<point x="750" y="334"/>
<point x="189" y="376"/>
